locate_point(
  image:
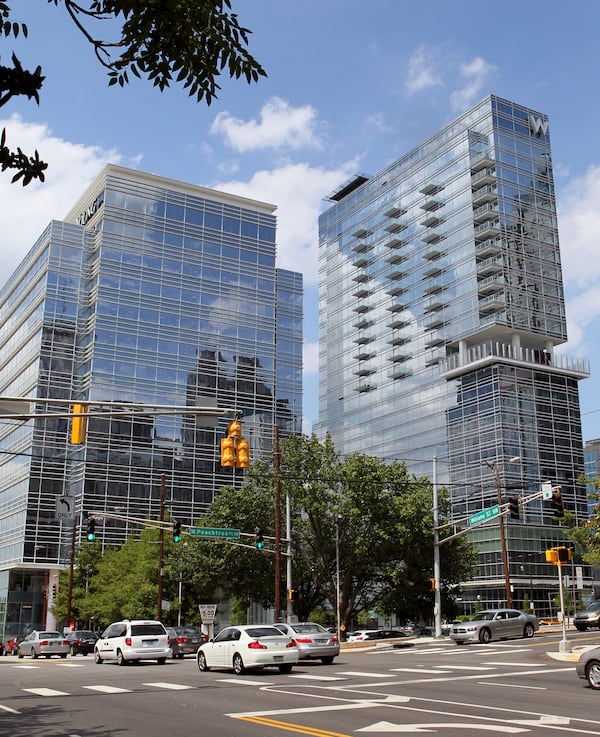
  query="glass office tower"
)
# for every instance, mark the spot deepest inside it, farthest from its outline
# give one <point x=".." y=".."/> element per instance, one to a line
<point x="441" y="309"/>
<point x="150" y="292"/>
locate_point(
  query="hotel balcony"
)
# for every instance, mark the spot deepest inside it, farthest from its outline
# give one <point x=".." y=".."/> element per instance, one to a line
<point x="362" y="247"/>
<point x="363" y="323"/>
<point x="399" y="357"/>
<point x="485" y="212"/>
<point x="399" y="340"/>
<point x="490" y="266"/>
<point x="485" y="194"/>
<point x="395" y="227"/>
<point x="433" y="252"/>
<point x="490" y="285"/>
<point x="394" y="241"/>
<point x="484" y="161"/>
<point x="394" y="211"/>
<point x="491" y="229"/>
<point x="431" y="188"/>
<point x="361" y="262"/>
<point x="396" y="258"/>
<point x="489" y="247"/>
<point x="434" y="303"/>
<point x="485" y="176"/>
<point x="493" y="303"/>
<point x="363" y="355"/>
<point x="433" y="269"/>
<point x="434" y="321"/>
<point x="362" y="292"/>
<point x="398" y="323"/>
<point x="364" y="387"/>
<point x="431" y="205"/>
<point x="490" y="352"/>
<point x="399" y="372"/>
<point x="365" y="371"/>
<point x="433" y="237"/>
<point x="432" y="221"/>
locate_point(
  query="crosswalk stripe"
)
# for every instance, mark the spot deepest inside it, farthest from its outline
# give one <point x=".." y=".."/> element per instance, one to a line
<point x="361" y="674"/>
<point x="244" y="682"/>
<point x="45" y="692"/>
<point x="172" y="686"/>
<point x="108" y="689"/>
<point x="306" y="677"/>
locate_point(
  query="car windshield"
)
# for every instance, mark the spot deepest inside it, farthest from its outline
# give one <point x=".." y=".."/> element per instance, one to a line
<point x="594" y="606"/>
<point x="482" y="616"/>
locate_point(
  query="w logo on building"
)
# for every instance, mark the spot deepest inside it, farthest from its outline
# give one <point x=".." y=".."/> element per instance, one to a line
<point x="537" y="125"/>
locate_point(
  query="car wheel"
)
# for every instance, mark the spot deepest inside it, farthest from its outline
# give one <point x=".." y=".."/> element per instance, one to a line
<point x="528" y="631"/>
<point x="62" y="655"/>
<point x="327" y="660"/>
<point x="73" y="651"/>
<point x="286" y="668"/>
<point x="19" y="653"/>
<point x="592" y="673"/>
<point x="238" y="665"/>
<point x="180" y="656"/>
<point x="201" y="660"/>
<point x="33" y="653"/>
<point x="485" y="635"/>
<point x="459" y="642"/>
<point x="85" y="654"/>
<point x="120" y="659"/>
<point x="580" y="627"/>
<point x="97" y="657"/>
<point x="161" y="661"/>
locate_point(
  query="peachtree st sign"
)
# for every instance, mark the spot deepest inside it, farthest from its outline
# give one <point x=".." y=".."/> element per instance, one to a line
<point x="484" y="515"/>
<point x="215" y="533"/>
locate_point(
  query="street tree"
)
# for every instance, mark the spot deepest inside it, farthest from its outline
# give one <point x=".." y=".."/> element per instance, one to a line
<point x="587" y="535"/>
<point x="189" y="42"/>
<point x="85" y="567"/>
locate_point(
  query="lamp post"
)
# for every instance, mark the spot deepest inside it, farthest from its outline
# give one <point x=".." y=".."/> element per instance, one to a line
<point x="496" y="466"/>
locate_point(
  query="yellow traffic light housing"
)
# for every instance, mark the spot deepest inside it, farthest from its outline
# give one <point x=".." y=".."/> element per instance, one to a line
<point x="242" y="454"/>
<point x="227" y="452"/>
<point x="235" y="429"/>
<point x="551" y="555"/>
<point x="79" y="424"/>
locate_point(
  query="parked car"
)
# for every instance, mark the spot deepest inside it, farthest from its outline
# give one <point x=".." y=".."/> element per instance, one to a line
<point x="46" y="643"/>
<point x="133" y="640"/>
<point x="249" y="646"/>
<point x="384" y="635"/>
<point x="185" y="640"/>
<point x="358" y="635"/>
<point x="494" y="624"/>
<point x="588" y="667"/>
<point x="81" y="641"/>
<point x="589" y="617"/>
<point x="314" y="641"/>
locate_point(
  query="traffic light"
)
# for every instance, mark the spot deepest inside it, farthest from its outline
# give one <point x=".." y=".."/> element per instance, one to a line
<point x="91" y="528"/>
<point x="176" y="531"/>
<point x="242" y="455"/>
<point x="432" y="584"/>
<point x="552" y="555"/>
<point x="557" y="504"/>
<point x="235" y="450"/>
<point x="564" y="554"/>
<point x="227" y="452"/>
<point x="293" y="595"/>
<point x="260" y="540"/>
<point x="514" y="507"/>
<point x="78" y="424"/>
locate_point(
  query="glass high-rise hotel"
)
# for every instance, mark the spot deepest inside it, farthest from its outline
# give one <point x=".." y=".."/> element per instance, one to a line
<point x="150" y="292"/>
<point x="441" y="310"/>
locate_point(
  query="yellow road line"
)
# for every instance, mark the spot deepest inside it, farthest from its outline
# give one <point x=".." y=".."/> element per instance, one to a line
<point x="277" y="724"/>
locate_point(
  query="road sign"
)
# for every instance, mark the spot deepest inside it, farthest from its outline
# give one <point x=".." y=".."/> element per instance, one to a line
<point x="65" y="508"/>
<point x="215" y="533"/>
<point x="207" y="613"/>
<point x="484" y="515"/>
<point x="547" y="490"/>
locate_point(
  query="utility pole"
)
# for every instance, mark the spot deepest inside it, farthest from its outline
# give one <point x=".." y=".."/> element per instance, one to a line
<point x="503" y="543"/>
<point x="277" y="524"/>
<point x="71" y="566"/>
<point x="161" y="550"/>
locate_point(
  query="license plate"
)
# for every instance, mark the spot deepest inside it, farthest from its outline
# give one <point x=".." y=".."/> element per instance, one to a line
<point x="277" y="658"/>
<point x="148" y="643"/>
<point x="54" y="642"/>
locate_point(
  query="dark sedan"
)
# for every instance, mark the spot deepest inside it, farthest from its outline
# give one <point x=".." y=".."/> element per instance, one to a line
<point x="185" y="640"/>
<point x="81" y="642"/>
<point x="384" y="635"/>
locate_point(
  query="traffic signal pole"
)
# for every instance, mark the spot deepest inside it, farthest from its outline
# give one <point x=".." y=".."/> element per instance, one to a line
<point x="71" y="566"/>
<point x="161" y="548"/>
<point x="277" y="602"/>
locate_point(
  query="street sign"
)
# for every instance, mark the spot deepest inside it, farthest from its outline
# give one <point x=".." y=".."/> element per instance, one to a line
<point x="65" y="508"/>
<point x="215" y="533"/>
<point x="485" y="515"/>
<point x="207" y="613"/>
<point x="547" y="490"/>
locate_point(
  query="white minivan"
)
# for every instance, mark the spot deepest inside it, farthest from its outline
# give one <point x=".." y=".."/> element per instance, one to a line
<point x="132" y="640"/>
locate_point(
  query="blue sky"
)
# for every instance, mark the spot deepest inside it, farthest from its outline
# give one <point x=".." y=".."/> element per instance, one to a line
<point x="352" y="85"/>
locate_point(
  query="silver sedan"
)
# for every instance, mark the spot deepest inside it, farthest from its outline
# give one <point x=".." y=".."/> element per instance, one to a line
<point x="44" y="643"/>
<point x="314" y="641"/>
<point x="588" y="667"/>
<point x="494" y="624"/>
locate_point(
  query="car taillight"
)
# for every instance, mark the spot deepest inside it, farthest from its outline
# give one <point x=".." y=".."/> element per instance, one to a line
<point x="79" y="642"/>
<point x="181" y="639"/>
<point x="292" y="643"/>
<point x="256" y="645"/>
<point x="128" y="641"/>
<point x="43" y="643"/>
<point x="303" y="639"/>
<point x="334" y="639"/>
<point x="66" y="642"/>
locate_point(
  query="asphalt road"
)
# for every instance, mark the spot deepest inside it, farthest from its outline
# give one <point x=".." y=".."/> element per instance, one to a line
<point x="434" y="687"/>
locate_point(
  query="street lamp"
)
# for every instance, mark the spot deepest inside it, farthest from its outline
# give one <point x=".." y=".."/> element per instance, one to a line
<point x="496" y="466"/>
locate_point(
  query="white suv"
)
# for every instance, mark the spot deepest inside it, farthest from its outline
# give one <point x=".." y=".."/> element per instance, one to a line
<point x="132" y="640"/>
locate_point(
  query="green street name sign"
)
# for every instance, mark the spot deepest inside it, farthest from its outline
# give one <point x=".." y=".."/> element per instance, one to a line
<point x="215" y="533"/>
<point x="484" y="515"/>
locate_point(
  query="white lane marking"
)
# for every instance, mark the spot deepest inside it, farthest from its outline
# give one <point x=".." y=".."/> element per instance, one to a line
<point x="7" y="708"/>
<point x="512" y="685"/>
<point x="516" y="665"/>
<point x="362" y="674"/>
<point x="349" y="705"/>
<point x="315" y="678"/>
<point x="172" y="686"/>
<point x="421" y="670"/>
<point x="434" y="726"/>
<point x="70" y="665"/>
<point x="45" y="692"/>
<point x="108" y="689"/>
<point x="26" y="667"/>
<point x="244" y="682"/>
<point x="464" y="667"/>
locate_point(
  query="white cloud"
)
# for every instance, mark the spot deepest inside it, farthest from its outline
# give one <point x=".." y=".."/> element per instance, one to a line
<point x="310" y="358"/>
<point x="297" y="190"/>
<point x="280" y="125"/>
<point x="476" y="74"/>
<point x="26" y="211"/>
<point x="421" y="71"/>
